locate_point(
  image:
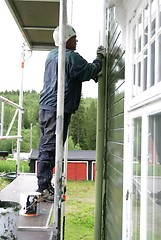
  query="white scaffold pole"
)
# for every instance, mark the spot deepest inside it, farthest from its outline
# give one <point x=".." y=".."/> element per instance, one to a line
<point x="2" y="119"/>
<point x="20" y="113"/>
<point x="60" y="118"/>
<point x="64" y="187"/>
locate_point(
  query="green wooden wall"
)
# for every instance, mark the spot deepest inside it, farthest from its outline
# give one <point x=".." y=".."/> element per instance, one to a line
<point x="113" y="162"/>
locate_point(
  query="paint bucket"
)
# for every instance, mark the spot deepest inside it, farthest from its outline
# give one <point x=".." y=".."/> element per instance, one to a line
<point x="9" y="212"/>
<point x="30" y="203"/>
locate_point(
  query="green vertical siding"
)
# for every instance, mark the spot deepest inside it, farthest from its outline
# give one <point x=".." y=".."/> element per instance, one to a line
<point x="112" y="216"/>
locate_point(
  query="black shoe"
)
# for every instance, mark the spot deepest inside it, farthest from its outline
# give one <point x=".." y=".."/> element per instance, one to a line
<point x="51" y="189"/>
<point x="47" y="195"/>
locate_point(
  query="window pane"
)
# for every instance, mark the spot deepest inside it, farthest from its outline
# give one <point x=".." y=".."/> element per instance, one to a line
<point x="154" y="179"/>
<point x="152" y="75"/>
<point x="136" y="178"/>
<point x="145" y="47"/>
<point x="145" y="70"/>
<point x="134" y="41"/>
<point x="134" y="75"/>
<point x="140" y="33"/>
<point x="146" y="25"/>
<point x="153" y="16"/>
<point x="159" y="12"/>
<point x="139" y="76"/>
<point x="159" y="58"/>
<point x="137" y="79"/>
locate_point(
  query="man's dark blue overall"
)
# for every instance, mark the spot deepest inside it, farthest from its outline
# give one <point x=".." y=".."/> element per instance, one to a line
<point x="46" y="158"/>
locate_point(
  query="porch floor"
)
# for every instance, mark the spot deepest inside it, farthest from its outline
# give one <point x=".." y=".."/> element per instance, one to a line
<point x="28" y="183"/>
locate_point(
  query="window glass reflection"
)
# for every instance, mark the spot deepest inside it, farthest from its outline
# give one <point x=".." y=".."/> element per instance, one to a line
<point x="153" y="16"/>
<point x="159" y="72"/>
<point x="152" y="65"/>
<point x="140" y="33"/>
<point x="145" y="70"/>
<point x="136" y="178"/>
<point x="146" y="24"/>
<point x="154" y="179"/>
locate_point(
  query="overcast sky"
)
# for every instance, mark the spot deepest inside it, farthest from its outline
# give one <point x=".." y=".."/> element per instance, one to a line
<point x="85" y="21"/>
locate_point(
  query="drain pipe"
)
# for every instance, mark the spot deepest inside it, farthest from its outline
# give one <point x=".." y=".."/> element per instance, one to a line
<point x="100" y="134"/>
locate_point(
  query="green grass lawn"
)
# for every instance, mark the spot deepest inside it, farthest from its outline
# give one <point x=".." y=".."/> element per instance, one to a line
<point x="10" y="166"/>
<point x="79" y="208"/>
<point x="3" y="183"/>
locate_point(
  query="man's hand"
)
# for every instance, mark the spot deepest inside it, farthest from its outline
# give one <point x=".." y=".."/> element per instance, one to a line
<point x="101" y="50"/>
<point x="96" y="79"/>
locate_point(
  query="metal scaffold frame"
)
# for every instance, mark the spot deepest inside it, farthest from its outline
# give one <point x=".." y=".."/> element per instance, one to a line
<point x="18" y="112"/>
<point x="7" y="101"/>
<point x="57" y="228"/>
<point x="60" y="118"/>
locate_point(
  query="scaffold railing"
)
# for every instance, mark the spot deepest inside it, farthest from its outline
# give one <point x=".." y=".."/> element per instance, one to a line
<point x="5" y="136"/>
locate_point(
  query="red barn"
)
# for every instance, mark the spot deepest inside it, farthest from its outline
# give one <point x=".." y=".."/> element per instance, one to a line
<point x="80" y="165"/>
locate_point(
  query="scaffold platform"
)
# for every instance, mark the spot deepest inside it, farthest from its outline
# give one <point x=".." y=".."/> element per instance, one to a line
<point x="29" y="227"/>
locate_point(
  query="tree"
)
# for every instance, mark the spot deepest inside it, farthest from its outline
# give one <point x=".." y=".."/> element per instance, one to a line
<point x="91" y="115"/>
<point x="77" y="127"/>
<point x="82" y="129"/>
<point x="26" y="122"/>
<point x="71" y="145"/>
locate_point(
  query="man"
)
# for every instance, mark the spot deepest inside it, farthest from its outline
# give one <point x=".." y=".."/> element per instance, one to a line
<point x="77" y="70"/>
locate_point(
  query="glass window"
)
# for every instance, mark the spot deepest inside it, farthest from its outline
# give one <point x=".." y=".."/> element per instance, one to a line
<point x="146" y="38"/>
<point x="152" y="65"/>
<point x="154" y="179"/>
<point x="140" y="33"/>
<point x="153" y="16"/>
<point x="145" y="70"/>
<point x="146" y="24"/>
<point x="136" y="178"/>
<point x="146" y="157"/>
<point x="134" y="75"/>
<point x="159" y="12"/>
<point x="139" y="75"/>
<point x="137" y="78"/>
<point x="159" y="58"/>
<point x="134" y="41"/>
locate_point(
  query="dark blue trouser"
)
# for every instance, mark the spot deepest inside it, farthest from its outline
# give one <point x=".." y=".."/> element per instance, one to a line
<point x="47" y="144"/>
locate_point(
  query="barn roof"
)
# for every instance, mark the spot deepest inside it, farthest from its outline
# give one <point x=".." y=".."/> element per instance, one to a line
<point x="78" y="155"/>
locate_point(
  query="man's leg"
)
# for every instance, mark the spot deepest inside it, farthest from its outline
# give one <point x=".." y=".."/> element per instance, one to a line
<point x="46" y="157"/>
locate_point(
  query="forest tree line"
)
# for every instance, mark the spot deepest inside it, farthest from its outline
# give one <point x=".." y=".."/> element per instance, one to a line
<point x="82" y="129"/>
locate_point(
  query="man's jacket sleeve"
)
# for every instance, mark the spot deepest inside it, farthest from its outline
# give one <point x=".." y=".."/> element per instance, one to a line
<point x="82" y="70"/>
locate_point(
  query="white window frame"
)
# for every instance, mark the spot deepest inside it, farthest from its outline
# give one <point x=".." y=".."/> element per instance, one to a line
<point x="142" y="105"/>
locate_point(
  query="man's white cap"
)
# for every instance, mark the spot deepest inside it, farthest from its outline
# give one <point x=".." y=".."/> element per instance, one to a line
<point x="70" y="32"/>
